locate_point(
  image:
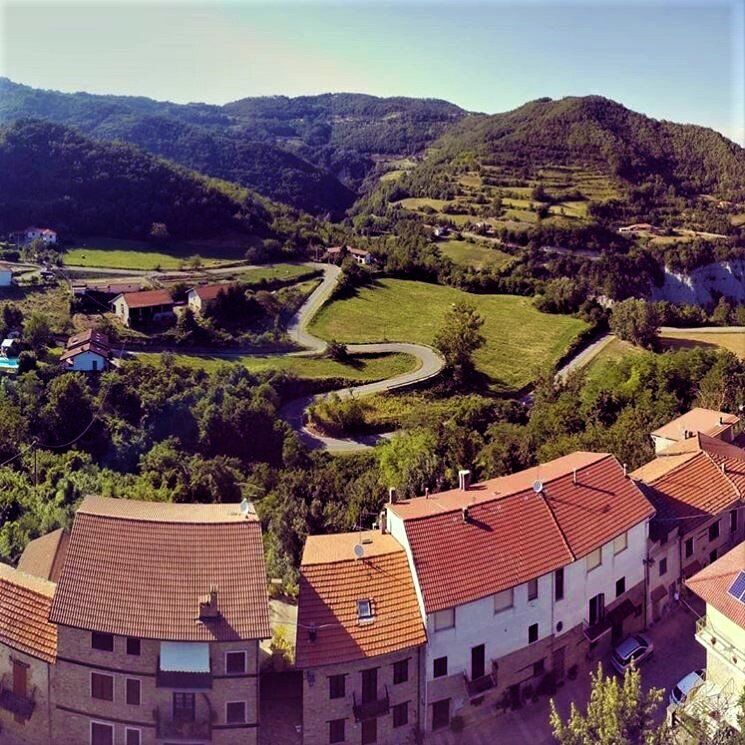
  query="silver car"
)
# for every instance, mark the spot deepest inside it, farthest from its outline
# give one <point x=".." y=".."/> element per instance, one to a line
<point x="686" y="686"/>
<point x="634" y="650"/>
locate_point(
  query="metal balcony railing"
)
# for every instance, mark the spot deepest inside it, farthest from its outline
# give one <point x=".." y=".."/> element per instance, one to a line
<point x="370" y="709"/>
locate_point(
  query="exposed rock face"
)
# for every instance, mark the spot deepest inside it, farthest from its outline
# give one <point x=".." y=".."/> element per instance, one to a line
<point x="722" y="278"/>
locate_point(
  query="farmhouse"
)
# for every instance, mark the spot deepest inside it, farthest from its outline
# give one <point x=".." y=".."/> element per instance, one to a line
<point x="88" y="351"/>
<point x="337" y="254"/>
<point x="199" y="298"/>
<point x="139" y="308"/>
<point x="716" y="424"/>
<point x="639" y="228"/>
<point x="359" y="640"/>
<point x="509" y="610"/>
<point x="47" y="235"/>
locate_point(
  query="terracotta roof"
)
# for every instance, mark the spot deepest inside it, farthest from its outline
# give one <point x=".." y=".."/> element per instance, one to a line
<point x="24" y="614"/>
<point x="512" y="534"/>
<point x="147" y="298"/>
<point x="708" y="421"/>
<point x="118" y="288"/>
<point x="712" y="583"/>
<point x="43" y="557"/>
<point x="140" y="568"/>
<point x="332" y="580"/>
<point x="68" y="354"/>
<point x="693" y="480"/>
<point x="210" y="292"/>
<point x="89" y="335"/>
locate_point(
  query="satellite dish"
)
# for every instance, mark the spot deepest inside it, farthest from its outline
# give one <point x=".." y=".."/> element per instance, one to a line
<point x="538" y="486"/>
<point x="359" y="550"/>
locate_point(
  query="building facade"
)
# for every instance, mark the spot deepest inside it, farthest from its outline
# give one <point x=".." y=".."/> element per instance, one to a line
<point x="141" y="308"/>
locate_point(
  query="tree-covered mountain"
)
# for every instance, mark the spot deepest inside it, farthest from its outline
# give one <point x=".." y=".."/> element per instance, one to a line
<point x="311" y="152"/>
<point x="604" y="135"/>
<point x="52" y="175"/>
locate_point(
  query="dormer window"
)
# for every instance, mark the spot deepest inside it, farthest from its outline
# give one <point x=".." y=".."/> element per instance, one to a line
<point x="365" y="611"/>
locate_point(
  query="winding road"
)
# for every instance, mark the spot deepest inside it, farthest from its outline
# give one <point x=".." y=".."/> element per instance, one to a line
<point x="430" y="365"/>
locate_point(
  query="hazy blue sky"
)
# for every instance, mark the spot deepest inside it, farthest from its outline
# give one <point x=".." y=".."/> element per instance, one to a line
<point x="672" y="59"/>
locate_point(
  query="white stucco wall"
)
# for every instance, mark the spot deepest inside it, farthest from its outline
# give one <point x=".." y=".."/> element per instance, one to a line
<point x="84" y="362"/>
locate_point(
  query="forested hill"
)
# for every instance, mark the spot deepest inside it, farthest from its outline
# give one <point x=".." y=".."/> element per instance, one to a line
<point x="604" y="134"/>
<point x="52" y="175"/>
<point x="311" y="152"/>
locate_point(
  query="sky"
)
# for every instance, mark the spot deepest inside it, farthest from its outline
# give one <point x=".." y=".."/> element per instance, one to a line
<point x="672" y="59"/>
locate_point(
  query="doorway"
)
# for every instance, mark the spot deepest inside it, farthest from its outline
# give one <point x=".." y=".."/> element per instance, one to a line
<point x="557" y="664"/>
<point x="478" y="662"/>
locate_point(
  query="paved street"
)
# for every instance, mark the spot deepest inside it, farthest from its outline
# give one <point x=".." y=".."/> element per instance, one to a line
<point x="676" y="654"/>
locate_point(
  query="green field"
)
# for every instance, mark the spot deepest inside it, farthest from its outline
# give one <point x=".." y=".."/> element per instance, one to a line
<point x="477" y="255"/>
<point x="364" y="368"/>
<point x="610" y="354"/>
<point x="109" y="253"/>
<point x="521" y="342"/>
<point x="284" y="272"/>
<point x="686" y="338"/>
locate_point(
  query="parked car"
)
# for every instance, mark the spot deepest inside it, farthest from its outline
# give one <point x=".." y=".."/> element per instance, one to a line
<point x="633" y="649"/>
<point x="683" y="689"/>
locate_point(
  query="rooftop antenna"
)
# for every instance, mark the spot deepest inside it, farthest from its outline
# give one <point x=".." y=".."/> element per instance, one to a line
<point x="359" y="551"/>
<point x="247" y="508"/>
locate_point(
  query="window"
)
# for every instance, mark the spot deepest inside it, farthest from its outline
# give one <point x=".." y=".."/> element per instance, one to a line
<point x="365" y="610"/>
<point x="689" y="548"/>
<point x="445" y="619"/>
<point x="369" y="731"/>
<point x="132" y="736"/>
<point x="104" y="642"/>
<point x="620" y="543"/>
<point x="440" y="667"/>
<point x="133" y="691"/>
<point x="539" y="667"/>
<point x="336" y="730"/>
<point x="102" y="686"/>
<point x="532" y="633"/>
<point x="235" y="712"/>
<point x="133" y="647"/>
<point x="235" y="663"/>
<point x="594" y="559"/>
<point x="620" y="586"/>
<point x="102" y="734"/>
<point x="597" y="608"/>
<point x="503" y="600"/>
<point x="401" y="714"/>
<point x="369" y="684"/>
<point x="532" y="589"/>
<point x="713" y="556"/>
<point x="663" y="567"/>
<point x="400" y="671"/>
<point x="337" y="686"/>
<point x="183" y="707"/>
<point x="559" y="584"/>
<point x="733" y="521"/>
<point x="441" y="713"/>
<point x="714" y="531"/>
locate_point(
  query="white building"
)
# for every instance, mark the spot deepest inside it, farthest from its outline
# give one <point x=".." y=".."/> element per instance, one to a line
<point x="47" y="235"/>
<point x="523" y="579"/>
<point x="717" y="424"/>
<point x="6" y="276"/>
<point x="88" y="351"/>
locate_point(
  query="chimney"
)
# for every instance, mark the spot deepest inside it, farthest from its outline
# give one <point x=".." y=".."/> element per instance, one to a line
<point x="382" y="521"/>
<point x="625" y="470"/>
<point x="391" y="495"/>
<point x="464" y="479"/>
<point x="466" y="516"/>
<point x="208" y="608"/>
<point x="724" y="468"/>
<point x="426" y="493"/>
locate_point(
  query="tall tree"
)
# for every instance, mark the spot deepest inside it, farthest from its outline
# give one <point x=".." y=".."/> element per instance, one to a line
<point x="459" y="337"/>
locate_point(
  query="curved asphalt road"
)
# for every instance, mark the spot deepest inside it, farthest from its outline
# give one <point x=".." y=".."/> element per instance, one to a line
<point x="430" y="365"/>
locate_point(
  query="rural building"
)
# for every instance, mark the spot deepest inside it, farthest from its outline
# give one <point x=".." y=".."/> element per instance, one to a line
<point x="88" y="351"/>
<point x="6" y="275"/>
<point x="337" y="254"/>
<point x="28" y="649"/>
<point x="722" y="634"/>
<point x="717" y="424"/>
<point x="43" y="556"/>
<point x="9" y="348"/>
<point x="47" y="235"/>
<point x="359" y="640"/>
<point x="517" y="586"/>
<point x="199" y="298"/>
<point x="141" y="308"/>
<point x="159" y="610"/>
<point x="696" y="487"/>
<point x="640" y="227"/>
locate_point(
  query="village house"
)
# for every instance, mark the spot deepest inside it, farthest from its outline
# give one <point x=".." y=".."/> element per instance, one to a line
<point x="722" y="634"/>
<point x="156" y="619"/>
<point x="523" y="579"/>
<point x="28" y="649"/>
<point x="359" y="640"/>
<point x="337" y="254"/>
<point x="141" y="308"/>
<point x="696" y="487"/>
<point x="201" y="297"/>
<point x="713" y="423"/>
<point x="88" y="351"/>
<point x="639" y="228"/>
<point x="47" y="235"/>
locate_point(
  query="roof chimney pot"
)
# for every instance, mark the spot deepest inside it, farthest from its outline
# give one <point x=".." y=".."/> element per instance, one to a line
<point x="208" y="607"/>
<point x="391" y="495"/>
<point x="464" y="479"/>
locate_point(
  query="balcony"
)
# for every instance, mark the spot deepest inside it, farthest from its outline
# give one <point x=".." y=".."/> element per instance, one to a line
<point x="175" y="728"/>
<point x="177" y="679"/>
<point x="376" y="707"/>
<point x="478" y="686"/>
<point x="20" y="706"/>
<point x="712" y="639"/>
<point x="594" y="631"/>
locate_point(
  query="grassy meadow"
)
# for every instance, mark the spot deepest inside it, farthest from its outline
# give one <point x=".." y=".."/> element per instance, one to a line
<point x="476" y="255"/>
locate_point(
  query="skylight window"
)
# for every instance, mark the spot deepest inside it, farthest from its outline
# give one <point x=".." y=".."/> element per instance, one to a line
<point x="365" y="610"/>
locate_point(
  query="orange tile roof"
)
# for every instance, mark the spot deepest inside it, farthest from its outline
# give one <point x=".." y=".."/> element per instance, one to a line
<point x="708" y="421"/>
<point x="24" y="614"/>
<point x="693" y="480"/>
<point x="88" y="336"/>
<point x="332" y="580"/>
<point x="147" y="298"/>
<point x="210" y="292"/>
<point x="511" y="533"/>
<point x="712" y="583"/>
<point x="140" y="568"/>
<point x="43" y="557"/>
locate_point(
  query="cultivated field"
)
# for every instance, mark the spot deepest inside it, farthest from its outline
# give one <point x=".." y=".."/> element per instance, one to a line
<point x="684" y="338"/>
<point x="476" y="255"/>
<point x="521" y="342"/>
